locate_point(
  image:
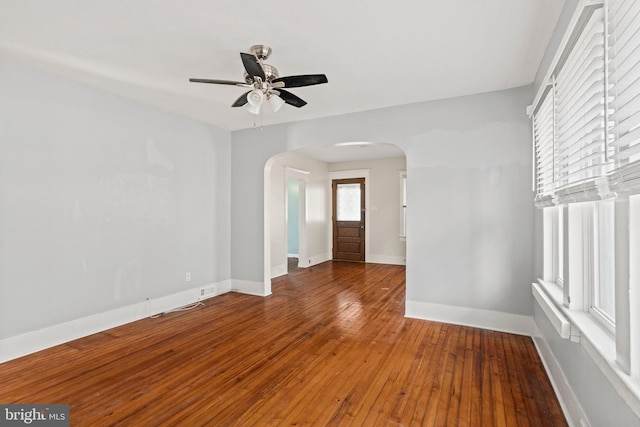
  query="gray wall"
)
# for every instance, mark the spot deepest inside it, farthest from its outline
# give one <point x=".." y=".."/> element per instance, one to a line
<point x="104" y="202"/>
<point x="470" y="215"/>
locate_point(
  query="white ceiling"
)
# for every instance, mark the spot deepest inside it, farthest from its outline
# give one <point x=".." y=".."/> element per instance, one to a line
<point x="375" y="54"/>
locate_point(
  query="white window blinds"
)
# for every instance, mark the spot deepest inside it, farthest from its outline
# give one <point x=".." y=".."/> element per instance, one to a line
<point x="580" y="93"/>
<point x="543" y="134"/>
<point x="595" y="82"/>
<point x="624" y="53"/>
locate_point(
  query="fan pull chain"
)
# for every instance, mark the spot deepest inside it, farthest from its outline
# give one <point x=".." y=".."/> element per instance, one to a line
<point x="255" y="124"/>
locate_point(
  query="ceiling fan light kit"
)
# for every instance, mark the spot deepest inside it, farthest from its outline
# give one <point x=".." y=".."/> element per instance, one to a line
<point x="275" y="102"/>
<point x="254" y="101"/>
<point x="265" y="83"/>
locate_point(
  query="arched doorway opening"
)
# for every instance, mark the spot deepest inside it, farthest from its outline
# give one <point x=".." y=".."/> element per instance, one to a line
<point x="312" y="170"/>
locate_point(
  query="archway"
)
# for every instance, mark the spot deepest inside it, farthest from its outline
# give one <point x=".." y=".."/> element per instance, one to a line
<point x="313" y="168"/>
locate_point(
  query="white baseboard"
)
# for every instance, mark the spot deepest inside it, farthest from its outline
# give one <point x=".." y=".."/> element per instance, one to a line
<point x="477" y="318"/>
<point x="571" y="408"/>
<point x="314" y="260"/>
<point x="278" y="270"/>
<point x="30" y="342"/>
<point x="249" y="287"/>
<point x="386" y="259"/>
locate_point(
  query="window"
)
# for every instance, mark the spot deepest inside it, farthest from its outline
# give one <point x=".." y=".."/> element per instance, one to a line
<point x="602" y="290"/>
<point x="586" y="134"/>
<point x="348" y="199"/>
<point x="571" y="129"/>
<point x="554" y="245"/>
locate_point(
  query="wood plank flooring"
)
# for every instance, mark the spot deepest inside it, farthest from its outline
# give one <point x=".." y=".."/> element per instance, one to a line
<point x="330" y="347"/>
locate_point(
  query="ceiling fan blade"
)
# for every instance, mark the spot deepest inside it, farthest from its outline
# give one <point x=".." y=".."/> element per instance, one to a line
<point x="253" y="67"/>
<point x="291" y="99"/>
<point x="218" y="82"/>
<point x="242" y="99"/>
<point x="303" y="80"/>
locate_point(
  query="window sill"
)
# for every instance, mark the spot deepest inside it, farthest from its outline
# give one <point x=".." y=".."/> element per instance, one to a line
<point x="598" y="342"/>
<point x="587" y="326"/>
<point x="554" y="291"/>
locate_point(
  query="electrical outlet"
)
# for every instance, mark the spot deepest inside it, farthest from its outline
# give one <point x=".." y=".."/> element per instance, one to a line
<point x="187" y="277"/>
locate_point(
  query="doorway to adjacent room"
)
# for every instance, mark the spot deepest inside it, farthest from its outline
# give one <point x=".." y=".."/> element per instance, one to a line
<point x="348" y="204"/>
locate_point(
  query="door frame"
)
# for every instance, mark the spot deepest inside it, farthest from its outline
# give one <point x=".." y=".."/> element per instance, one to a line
<point x="337" y="224"/>
<point x="347" y="174"/>
<point x="302" y="176"/>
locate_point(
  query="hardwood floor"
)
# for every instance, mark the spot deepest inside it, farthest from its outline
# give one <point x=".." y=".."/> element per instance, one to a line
<point x="330" y="347"/>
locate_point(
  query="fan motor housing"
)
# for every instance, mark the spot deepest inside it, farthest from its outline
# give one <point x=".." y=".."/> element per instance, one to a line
<point x="270" y="73"/>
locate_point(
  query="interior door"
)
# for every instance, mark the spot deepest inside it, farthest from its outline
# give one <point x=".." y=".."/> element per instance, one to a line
<point x="348" y="219"/>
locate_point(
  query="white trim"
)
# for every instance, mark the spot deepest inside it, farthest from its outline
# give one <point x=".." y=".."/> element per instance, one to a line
<point x="30" y="342"/>
<point x="250" y="287"/>
<point x="386" y="259"/>
<point x="302" y="176"/>
<point x="346" y="174"/>
<point x="474" y="317"/>
<point x="402" y="175"/>
<point x="634" y="283"/>
<point x="266" y="238"/>
<point x="600" y="346"/>
<point x="571" y="407"/>
<point x="278" y="270"/>
<point x="627" y="387"/>
<point x="555" y="316"/>
<point x="314" y="260"/>
<point x="622" y="282"/>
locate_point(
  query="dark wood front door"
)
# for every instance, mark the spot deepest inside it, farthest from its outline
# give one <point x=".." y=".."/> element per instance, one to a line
<point x="348" y="219"/>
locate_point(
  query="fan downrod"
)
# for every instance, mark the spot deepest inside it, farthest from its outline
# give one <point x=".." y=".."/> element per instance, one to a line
<point x="261" y="51"/>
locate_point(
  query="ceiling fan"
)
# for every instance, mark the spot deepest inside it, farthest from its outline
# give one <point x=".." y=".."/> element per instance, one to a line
<point x="265" y="83"/>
